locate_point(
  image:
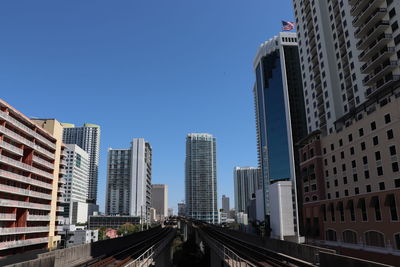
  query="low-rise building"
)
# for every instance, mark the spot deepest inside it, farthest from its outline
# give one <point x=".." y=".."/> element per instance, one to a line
<point x="114" y="222"/>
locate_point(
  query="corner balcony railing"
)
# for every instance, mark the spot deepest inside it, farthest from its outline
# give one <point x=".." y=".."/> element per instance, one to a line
<point x="22" y="204"/>
<point x="43" y="218"/>
<point x="25" y="167"/>
<point x="23" y="243"/>
<point x="11" y="148"/>
<point x="24" y="179"/>
<point x="23" y="230"/>
<point x="7" y="216"/>
<point x="44" y="152"/>
<point x="16" y="137"/>
<point x="27" y="130"/>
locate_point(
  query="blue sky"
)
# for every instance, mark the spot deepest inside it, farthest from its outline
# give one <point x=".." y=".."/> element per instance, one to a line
<point x="142" y="68"/>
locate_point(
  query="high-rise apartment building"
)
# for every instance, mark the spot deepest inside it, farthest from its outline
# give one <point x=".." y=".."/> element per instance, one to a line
<point x="182" y="209"/>
<point x="245" y="181"/>
<point x="77" y="180"/>
<point x="29" y="181"/>
<point x="349" y="54"/>
<point x="280" y="113"/>
<point x="159" y="200"/>
<point x="88" y="138"/>
<point x="201" y="177"/>
<point x="225" y="204"/>
<point x="129" y="180"/>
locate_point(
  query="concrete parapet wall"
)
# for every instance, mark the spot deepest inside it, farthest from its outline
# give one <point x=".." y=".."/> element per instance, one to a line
<point x="49" y="261"/>
<point x="334" y="260"/>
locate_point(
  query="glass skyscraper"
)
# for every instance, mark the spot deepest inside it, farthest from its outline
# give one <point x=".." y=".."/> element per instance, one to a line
<point x="201" y="178"/>
<point x="280" y="110"/>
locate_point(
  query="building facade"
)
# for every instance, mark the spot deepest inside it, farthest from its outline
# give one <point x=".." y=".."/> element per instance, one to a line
<point x="129" y="180"/>
<point x="225" y="203"/>
<point x="182" y="209"/>
<point x="77" y="181"/>
<point x="280" y="112"/>
<point x="114" y="222"/>
<point x="201" y="178"/>
<point x="159" y="200"/>
<point x="88" y="138"/>
<point x="245" y="181"/>
<point x="30" y="184"/>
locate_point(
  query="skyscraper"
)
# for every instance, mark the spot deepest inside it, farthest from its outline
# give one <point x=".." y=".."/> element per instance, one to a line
<point x="225" y="203"/>
<point x="88" y="138"/>
<point x="280" y="111"/>
<point x="159" y="200"/>
<point x="129" y="180"/>
<point x="245" y="181"/>
<point x="201" y="177"/>
<point x="77" y="179"/>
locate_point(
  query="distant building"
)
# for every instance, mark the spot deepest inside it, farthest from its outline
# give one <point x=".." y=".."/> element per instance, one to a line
<point x="201" y="178"/>
<point x="86" y="137"/>
<point x="153" y="215"/>
<point x="114" y="222"/>
<point x="78" y="212"/>
<point x="241" y="218"/>
<point x="182" y="209"/>
<point x="73" y="236"/>
<point x="222" y="216"/>
<point x="225" y="203"/>
<point x="170" y="212"/>
<point x="246" y="181"/>
<point x="159" y="200"/>
<point x="129" y="180"/>
<point x="77" y="182"/>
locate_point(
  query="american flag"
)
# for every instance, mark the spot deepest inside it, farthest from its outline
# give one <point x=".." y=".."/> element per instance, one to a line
<point x="287" y="25"/>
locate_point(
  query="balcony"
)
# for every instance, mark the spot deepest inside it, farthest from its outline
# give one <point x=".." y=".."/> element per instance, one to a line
<point x="374" y="24"/>
<point x="59" y="228"/>
<point x="44" y="152"/>
<point x="63" y="171"/>
<point x="23" y="230"/>
<point x="387" y="82"/>
<point x="16" y="137"/>
<point x="24" y="205"/>
<point x="371" y="47"/>
<point x="60" y="209"/>
<point x="377" y="60"/>
<point x="62" y="180"/>
<point x="43" y="162"/>
<point x="7" y="216"/>
<point x="61" y="199"/>
<point x="42" y="218"/>
<point x="363" y="6"/>
<point x="26" y="129"/>
<point x="23" y="243"/>
<point x="364" y="16"/>
<point x="10" y="148"/>
<point x="380" y="73"/>
<point x="63" y="162"/>
<point x="24" y="179"/>
<point x="64" y="153"/>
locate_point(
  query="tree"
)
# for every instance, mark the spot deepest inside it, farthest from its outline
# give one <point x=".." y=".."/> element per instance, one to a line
<point x="102" y="233"/>
<point x="127" y="229"/>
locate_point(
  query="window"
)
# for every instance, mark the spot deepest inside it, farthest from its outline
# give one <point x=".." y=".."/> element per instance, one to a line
<point x="345" y="180"/>
<point x="355" y="177"/>
<point x="350" y="205"/>
<point x="373" y="126"/>
<point x="392" y="150"/>
<point x="362" y="206"/>
<point x="391" y="201"/>
<point x="379" y="170"/>
<point x="395" y="167"/>
<point x="375" y="239"/>
<point x="342" y="155"/>
<point x="333" y="158"/>
<point x="332" y="211"/>
<point x="397" y="241"/>
<point x="377" y="208"/>
<point x="340" y="142"/>
<point x="366" y="174"/>
<point x="350" y="237"/>
<point x="330" y="235"/>
<point x="343" y="167"/>
<point x="368" y="187"/>
<point x="377" y="155"/>
<point x="350" y="137"/>
<point x="390" y="134"/>
<point x="365" y="160"/>
<point x="375" y="140"/>
<point x="387" y="118"/>
<point x="341" y="211"/>
<point x="351" y="150"/>
<point x="356" y="191"/>
<point x="363" y="146"/>
<point x="361" y="132"/>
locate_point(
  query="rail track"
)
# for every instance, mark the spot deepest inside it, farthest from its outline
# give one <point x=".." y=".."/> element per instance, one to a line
<point x="256" y="255"/>
<point x="122" y="257"/>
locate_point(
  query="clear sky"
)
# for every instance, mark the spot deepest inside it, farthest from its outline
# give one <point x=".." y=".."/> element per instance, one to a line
<point x="142" y="68"/>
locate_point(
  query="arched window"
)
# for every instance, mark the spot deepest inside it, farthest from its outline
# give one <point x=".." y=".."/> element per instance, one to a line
<point x="375" y="239"/>
<point x="350" y="237"/>
<point x="331" y="235"/>
<point x="314" y="198"/>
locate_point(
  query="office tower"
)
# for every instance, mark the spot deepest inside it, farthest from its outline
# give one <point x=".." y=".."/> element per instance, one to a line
<point x="29" y="182"/>
<point x="348" y="54"/>
<point x="129" y="180"/>
<point x="77" y="180"/>
<point x="245" y="181"/>
<point x="349" y="166"/>
<point x="88" y="138"/>
<point x="280" y="113"/>
<point x="182" y="209"/>
<point x="159" y="200"/>
<point x="225" y="203"/>
<point x="201" y="177"/>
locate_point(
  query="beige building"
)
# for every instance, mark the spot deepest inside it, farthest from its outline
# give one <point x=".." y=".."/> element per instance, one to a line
<point x="159" y="200"/>
<point x="29" y="181"/>
<point x="351" y="181"/>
